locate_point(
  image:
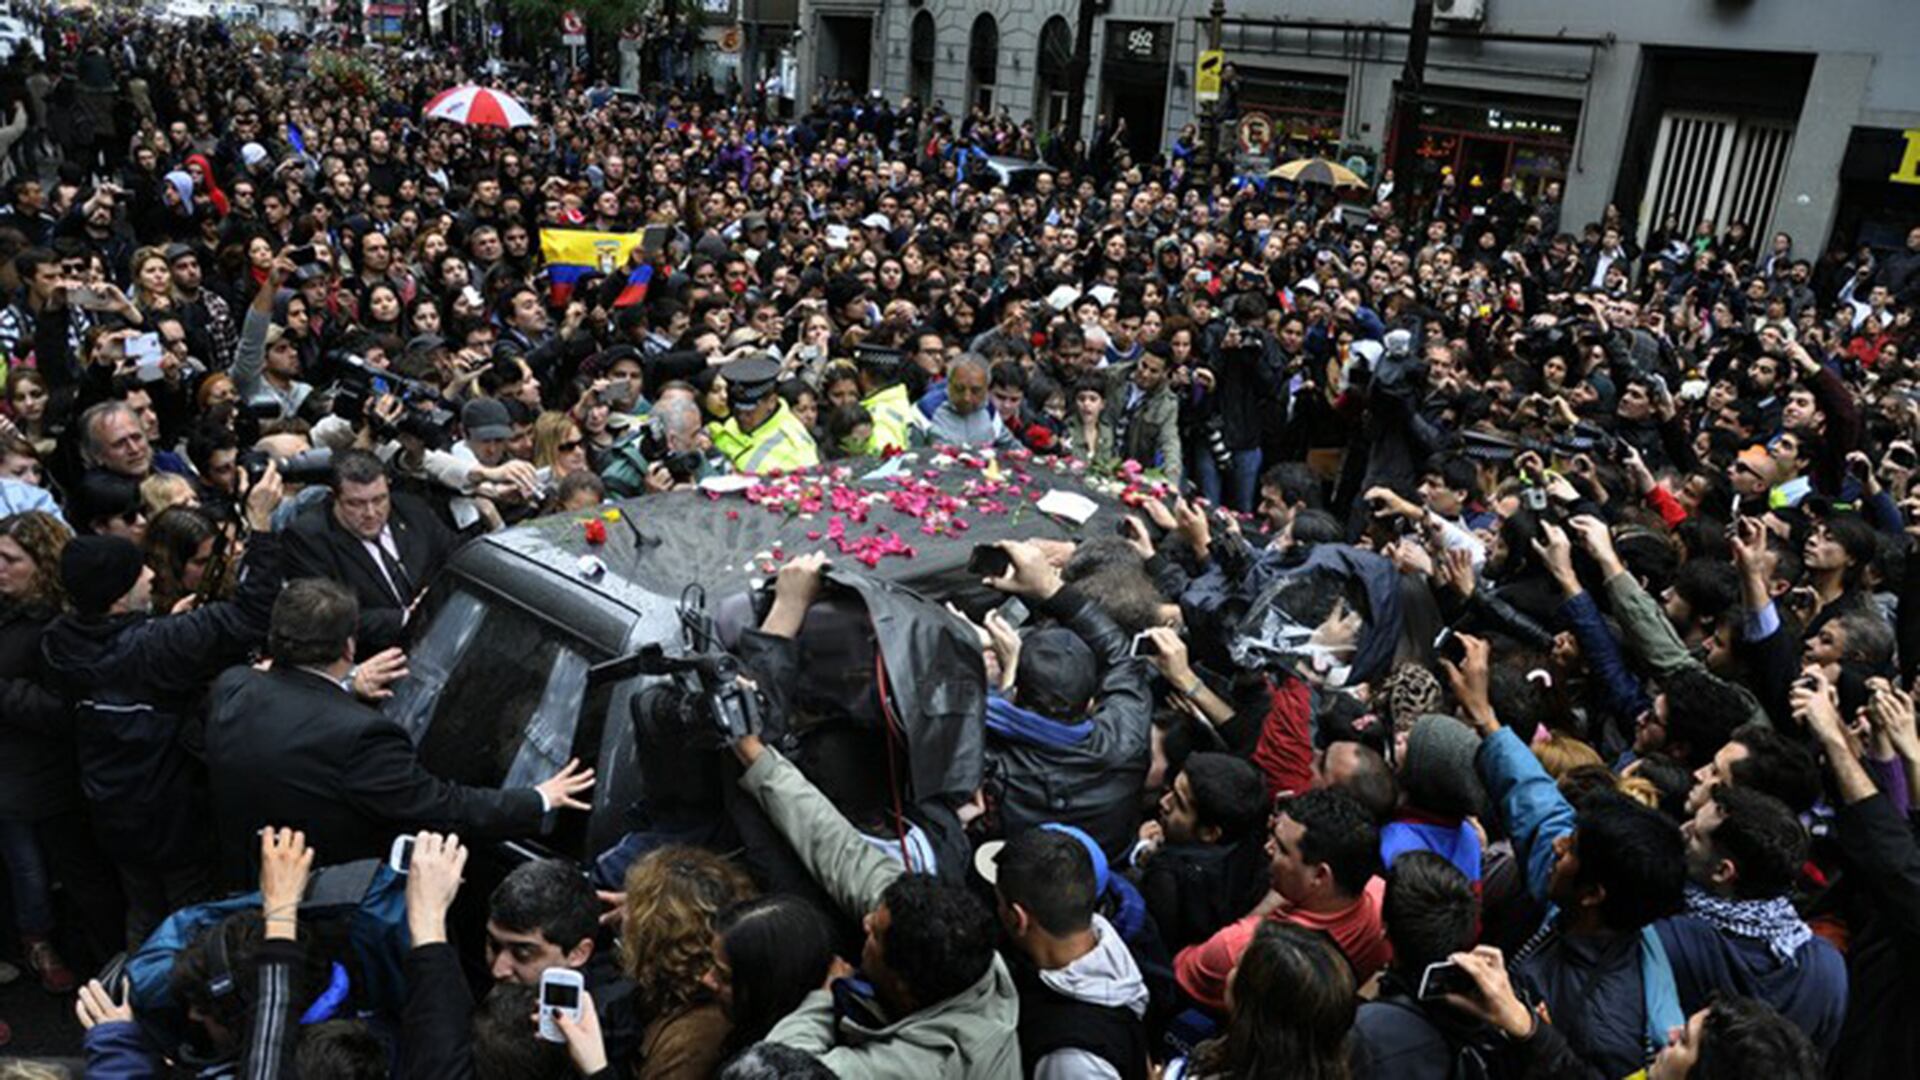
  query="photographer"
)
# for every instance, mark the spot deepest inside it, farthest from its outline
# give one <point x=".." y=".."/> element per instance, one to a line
<point x="1071" y="740"/>
<point x="1243" y="365"/>
<point x="931" y="997"/>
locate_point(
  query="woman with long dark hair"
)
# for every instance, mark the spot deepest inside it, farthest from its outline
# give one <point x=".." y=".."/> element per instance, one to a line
<point x="1291" y="1007"/>
<point x="768" y="954"/>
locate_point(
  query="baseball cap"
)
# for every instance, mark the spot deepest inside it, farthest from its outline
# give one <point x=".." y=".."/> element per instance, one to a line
<point x="986" y="858"/>
<point x="484" y="418"/>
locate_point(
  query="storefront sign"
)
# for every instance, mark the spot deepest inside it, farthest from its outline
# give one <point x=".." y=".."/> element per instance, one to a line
<point x="1206" y="75"/>
<point x="1909" y="170"/>
<point x="1139" y="42"/>
<point x="1882" y="156"/>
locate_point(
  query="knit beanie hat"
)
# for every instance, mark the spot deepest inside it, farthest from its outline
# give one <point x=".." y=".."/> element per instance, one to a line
<point x="98" y="570"/>
<point x="1438" y="772"/>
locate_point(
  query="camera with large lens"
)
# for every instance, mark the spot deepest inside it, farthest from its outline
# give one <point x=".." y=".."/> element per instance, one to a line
<point x="313" y="466"/>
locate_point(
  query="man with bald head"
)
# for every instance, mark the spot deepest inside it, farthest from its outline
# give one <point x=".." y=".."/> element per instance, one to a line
<point x="963" y="419"/>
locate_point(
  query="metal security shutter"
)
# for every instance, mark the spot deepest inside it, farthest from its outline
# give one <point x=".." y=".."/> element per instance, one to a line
<point x="1753" y="178"/>
<point x="1715" y="167"/>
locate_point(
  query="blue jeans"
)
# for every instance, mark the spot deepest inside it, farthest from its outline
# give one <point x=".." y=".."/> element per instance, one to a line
<point x="1242" y="486"/>
<point x="27" y="878"/>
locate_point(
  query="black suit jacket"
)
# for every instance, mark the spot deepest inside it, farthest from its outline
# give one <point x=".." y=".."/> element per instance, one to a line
<point x="290" y="749"/>
<point x="317" y="546"/>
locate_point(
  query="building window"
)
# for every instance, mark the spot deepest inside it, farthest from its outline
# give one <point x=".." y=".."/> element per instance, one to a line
<point x="920" y="56"/>
<point x="983" y="63"/>
<point x="1056" y="74"/>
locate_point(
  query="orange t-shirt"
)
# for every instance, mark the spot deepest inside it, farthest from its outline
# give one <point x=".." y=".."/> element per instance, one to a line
<point x="1201" y="970"/>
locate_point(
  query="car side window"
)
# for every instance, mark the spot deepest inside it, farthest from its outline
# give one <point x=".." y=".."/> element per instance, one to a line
<point x="494" y="695"/>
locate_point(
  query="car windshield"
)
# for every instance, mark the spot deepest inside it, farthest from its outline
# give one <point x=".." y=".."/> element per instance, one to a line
<point x="494" y="697"/>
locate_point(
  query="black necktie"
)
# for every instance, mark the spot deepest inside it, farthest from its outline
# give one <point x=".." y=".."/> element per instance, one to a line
<point x="396" y="575"/>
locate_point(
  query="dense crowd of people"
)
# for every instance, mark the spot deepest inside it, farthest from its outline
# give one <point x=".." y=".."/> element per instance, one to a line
<point x="1505" y="668"/>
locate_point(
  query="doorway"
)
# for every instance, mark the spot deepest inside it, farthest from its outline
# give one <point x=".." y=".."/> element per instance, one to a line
<point x="1140" y="98"/>
<point x="846" y="52"/>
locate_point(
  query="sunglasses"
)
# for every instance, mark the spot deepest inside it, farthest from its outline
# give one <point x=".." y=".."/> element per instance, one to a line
<point x="570" y="445"/>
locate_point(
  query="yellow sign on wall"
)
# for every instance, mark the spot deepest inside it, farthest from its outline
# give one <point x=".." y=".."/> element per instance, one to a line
<point x="1206" y="75"/>
<point x="1909" y="171"/>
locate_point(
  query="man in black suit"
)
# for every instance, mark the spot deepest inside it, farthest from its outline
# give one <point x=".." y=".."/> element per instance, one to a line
<point x="384" y="546"/>
<point x="292" y="746"/>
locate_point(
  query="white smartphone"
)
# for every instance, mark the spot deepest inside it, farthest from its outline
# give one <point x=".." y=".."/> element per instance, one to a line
<point x="560" y="991"/>
<point x="400" y="859"/>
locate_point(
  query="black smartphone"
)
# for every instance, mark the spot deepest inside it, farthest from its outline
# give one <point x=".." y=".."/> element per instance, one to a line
<point x="1143" y="646"/>
<point x="1448" y="646"/>
<point x="304" y="255"/>
<point x="1446" y="977"/>
<point x="989" y="560"/>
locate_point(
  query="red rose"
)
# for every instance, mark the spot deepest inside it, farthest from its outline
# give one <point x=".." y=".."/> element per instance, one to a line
<point x="596" y="532"/>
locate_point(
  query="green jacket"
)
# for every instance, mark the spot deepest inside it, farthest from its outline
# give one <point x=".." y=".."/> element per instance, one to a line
<point x="1153" y="438"/>
<point x="969" y="1036"/>
<point x="1650" y="639"/>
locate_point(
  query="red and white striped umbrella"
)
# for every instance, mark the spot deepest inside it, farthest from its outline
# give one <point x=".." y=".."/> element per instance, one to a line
<point x="478" y="105"/>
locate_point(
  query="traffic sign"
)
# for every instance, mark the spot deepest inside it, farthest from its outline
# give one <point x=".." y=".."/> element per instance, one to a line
<point x="572" y="23"/>
<point x="1255" y="134"/>
<point x="1206" y="75"/>
<point x="730" y="40"/>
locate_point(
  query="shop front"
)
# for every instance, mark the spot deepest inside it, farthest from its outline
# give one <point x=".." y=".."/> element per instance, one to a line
<point x="387" y="22"/>
<point x="1879" y="188"/>
<point x="1304" y="112"/>
<point x="1482" y="139"/>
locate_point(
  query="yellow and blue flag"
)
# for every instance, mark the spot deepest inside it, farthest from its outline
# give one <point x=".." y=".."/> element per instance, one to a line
<point x="572" y="254"/>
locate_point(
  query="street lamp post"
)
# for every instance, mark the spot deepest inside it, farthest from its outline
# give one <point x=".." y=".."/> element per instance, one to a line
<point x="1210" y="109"/>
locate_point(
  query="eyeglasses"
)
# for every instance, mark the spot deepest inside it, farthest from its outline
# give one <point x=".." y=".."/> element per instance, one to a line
<point x="570" y="445"/>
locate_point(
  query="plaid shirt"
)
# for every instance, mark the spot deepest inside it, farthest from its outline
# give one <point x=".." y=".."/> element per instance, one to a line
<point x="212" y="314"/>
<point x="17" y="326"/>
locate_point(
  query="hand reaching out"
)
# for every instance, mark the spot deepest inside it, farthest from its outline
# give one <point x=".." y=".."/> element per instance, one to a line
<point x="433" y="880"/>
<point x="560" y="788"/>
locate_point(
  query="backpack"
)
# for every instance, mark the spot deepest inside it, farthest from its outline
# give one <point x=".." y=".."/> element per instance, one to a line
<point x="357" y="912"/>
<point x="1480" y="1055"/>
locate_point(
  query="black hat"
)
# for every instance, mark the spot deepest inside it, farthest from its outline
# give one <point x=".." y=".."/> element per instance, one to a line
<point x="750" y="380"/>
<point x="309" y="272"/>
<point x="98" y="570"/>
<point x="1058" y="673"/>
<point x="485" y="418"/>
<point x="426" y="343"/>
<point x="177" y="251"/>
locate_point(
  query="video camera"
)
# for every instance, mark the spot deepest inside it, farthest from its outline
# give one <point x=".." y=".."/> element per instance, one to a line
<point x="703" y="700"/>
<point x="425" y="418"/>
